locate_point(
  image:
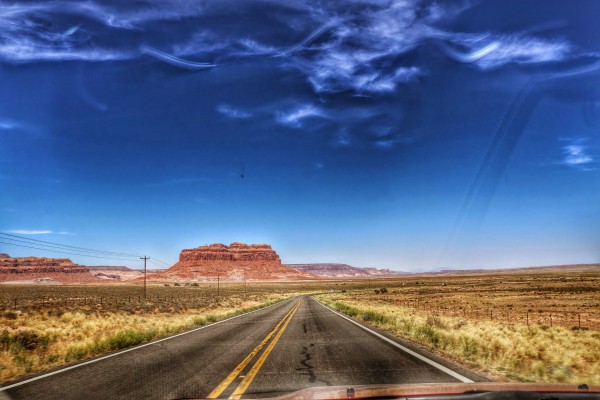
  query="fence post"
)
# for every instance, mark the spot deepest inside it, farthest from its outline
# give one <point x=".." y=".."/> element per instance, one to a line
<point x="579" y="320"/>
<point x="528" y="318"/>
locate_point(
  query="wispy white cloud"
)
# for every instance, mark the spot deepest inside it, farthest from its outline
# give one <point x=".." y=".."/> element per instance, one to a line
<point x="295" y="116"/>
<point x="392" y="141"/>
<point x="44" y="31"/>
<point x="361" y="47"/>
<point x="24" y="51"/>
<point x="576" y="154"/>
<point x="174" y="60"/>
<point x="489" y="51"/>
<point x="342" y="138"/>
<point x="36" y="232"/>
<point x="7" y="124"/>
<point x="361" y="52"/>
<point x="233" y="112"/>
<point x="133" y="18"/>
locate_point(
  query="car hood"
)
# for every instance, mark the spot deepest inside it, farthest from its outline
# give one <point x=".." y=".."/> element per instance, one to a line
<point x="433" y="389"/>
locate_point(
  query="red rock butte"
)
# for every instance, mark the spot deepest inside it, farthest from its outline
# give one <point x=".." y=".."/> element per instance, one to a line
<point x="26" y="268"/>
<point x="234" y="262"/>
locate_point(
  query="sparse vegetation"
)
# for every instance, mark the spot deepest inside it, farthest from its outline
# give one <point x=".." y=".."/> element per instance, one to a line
<point x="35" y="338"/>
<point x="480" y="320"/>
<point x="495" y="324"/>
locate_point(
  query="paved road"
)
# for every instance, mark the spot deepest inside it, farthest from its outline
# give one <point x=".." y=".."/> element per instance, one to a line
<point x="290" y="346"/>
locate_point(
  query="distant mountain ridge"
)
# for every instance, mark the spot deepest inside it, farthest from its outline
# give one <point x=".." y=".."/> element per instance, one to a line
<point x="109" y="268"/>
<point x="534" y="269"/>
<point x="333" y="270"/>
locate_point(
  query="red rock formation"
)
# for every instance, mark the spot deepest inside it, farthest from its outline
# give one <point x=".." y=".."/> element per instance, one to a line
<point x="234" y="262"/>
<point x="26" y="268"/>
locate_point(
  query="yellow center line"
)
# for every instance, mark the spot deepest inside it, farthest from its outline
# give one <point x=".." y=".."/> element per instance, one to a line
<point x="237" y="370"/>
<point x="239" y="391"/>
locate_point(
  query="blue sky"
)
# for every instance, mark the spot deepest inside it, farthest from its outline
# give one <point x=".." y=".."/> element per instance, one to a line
<point x="410" y="135"/>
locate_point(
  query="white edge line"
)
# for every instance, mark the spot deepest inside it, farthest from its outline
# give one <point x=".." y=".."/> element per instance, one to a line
<point x="405" y="349"/>
<point x="3" y="388"/>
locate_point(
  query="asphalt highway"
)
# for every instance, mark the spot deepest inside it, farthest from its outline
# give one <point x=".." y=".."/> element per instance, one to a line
<point x="293" y="345"/>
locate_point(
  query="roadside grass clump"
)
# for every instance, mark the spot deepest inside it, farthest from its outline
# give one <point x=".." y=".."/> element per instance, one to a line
<point x="534" y="353"/>
<point x="345" y="309"/>
<point x="26" y="340"/>
<point x="211" y="318"/>
<point x="198" y="321"/>
<point x="428" y="334"/>
<point x="374" y="317"/>
<point x="24" y="348"/>
<point x="128" y="338"/>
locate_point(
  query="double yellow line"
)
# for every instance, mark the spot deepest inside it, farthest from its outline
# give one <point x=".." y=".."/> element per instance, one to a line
<point x="239" y="391"/>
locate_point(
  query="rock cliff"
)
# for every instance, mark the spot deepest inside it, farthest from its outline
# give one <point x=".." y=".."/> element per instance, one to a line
<point x="237" y="261"/>
<point x="60" y="269"/>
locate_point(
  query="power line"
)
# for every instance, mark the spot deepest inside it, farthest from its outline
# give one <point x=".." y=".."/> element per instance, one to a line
<point x="162" y="262"/>
<point x="43" y="245"/>
<point x="155" y="264"/>
<point x="72" y="247"/>
<point x="65" y="252"/>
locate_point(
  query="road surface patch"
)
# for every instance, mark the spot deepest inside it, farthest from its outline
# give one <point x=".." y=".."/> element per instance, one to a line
<point x="277" y="331"/>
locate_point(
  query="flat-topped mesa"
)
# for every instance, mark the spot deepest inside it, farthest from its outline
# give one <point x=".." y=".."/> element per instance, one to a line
<point x="61" y="269"/>
<point x="235" y="252"/>
<point x="234" y="262"/>
<point x="39" y="264"/>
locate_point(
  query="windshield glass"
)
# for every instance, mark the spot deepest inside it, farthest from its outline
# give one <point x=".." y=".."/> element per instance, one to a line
<point x="241" y="199"/>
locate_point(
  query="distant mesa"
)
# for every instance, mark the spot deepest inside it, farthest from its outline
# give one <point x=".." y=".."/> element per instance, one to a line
<point x="342" y="271"/>
<point x="236" y="262"/>
<point x="113" y="268"/>
<point x="39" y="269"/>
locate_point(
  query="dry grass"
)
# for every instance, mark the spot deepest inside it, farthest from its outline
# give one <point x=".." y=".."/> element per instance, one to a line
<point x="561" y="298"/>
<point x="537" y="353"/>
<point x="44" y="327"/>
<point x="41" y="338"/>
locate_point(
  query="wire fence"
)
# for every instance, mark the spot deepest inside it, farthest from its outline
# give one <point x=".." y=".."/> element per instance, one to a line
<point x="108" y="298"/>
<point x="529" y="317"/>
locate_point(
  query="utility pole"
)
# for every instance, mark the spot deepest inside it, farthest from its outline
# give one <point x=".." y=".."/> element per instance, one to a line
<point x="145" y="258"/>
<point x="218" y="277"/>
